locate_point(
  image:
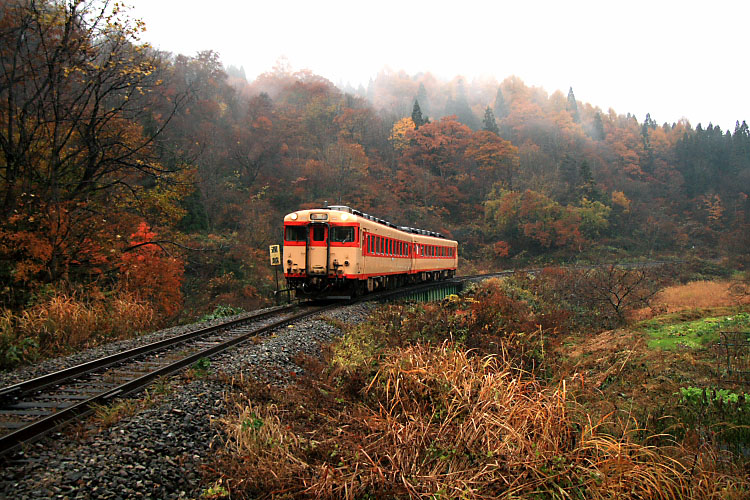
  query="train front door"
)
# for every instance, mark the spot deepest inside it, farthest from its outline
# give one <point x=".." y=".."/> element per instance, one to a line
<point x="317" y="250"/>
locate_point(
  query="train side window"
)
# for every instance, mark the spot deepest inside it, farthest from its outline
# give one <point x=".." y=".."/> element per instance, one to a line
<point x="342" y="234"/>
<point x="296" y="233"/>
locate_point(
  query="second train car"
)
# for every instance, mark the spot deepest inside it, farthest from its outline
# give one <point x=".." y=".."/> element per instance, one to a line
<point x="338" y="252"/>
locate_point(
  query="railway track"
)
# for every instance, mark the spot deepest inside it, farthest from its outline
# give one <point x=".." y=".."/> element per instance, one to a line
<point x="33" y="408"/>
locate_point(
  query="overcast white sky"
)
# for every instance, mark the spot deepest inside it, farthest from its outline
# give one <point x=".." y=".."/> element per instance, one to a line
<point x="673" y="59"/>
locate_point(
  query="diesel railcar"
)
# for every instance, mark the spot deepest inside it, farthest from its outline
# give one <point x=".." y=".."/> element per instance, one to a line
<point x="338" y="252"/>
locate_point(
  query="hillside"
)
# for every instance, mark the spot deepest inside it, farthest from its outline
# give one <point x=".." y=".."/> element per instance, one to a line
<point x="149" y="185"/>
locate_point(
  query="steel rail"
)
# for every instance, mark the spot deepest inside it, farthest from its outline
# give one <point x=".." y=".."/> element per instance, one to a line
<point x="54" y="378"/>
<point x="14" y="440"/>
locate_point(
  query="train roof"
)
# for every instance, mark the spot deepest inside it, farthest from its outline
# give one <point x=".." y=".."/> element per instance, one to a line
<point x="406" y="229"/>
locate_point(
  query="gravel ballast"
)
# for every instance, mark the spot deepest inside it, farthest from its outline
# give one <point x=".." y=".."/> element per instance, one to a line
<point x="159" y="452"/>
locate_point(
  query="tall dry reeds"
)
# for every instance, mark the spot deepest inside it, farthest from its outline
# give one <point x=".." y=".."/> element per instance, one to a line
<point x="442" y="422"/>
<point x="698" y="294"/>
<point x="65" y="322"/>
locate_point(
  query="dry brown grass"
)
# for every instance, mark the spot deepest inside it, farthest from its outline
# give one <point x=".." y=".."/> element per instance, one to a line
<point x="694" y="295"/>
<point x="698" y="294"/>
<point x="65" y="322"/>
<point x="442" y="422"/>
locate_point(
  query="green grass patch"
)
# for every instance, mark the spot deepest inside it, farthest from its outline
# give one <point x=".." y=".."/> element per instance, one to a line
<point x="693" y="334"/>
<point x="222" y="311"/>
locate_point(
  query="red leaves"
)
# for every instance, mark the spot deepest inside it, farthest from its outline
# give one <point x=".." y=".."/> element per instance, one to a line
<point x="151" y="274"/>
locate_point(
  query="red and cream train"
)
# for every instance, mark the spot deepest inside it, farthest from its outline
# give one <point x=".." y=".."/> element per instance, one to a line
<point x="338" y="252"/>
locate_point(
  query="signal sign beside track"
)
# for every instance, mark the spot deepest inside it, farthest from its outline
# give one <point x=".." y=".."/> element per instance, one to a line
<point x="275" y="255"/>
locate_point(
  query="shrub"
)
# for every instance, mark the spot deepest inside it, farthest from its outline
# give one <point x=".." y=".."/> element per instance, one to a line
<point x="63" y="322"/>
<point x="442" y="422"/>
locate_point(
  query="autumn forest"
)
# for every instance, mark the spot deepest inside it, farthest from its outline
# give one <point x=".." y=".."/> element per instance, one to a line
<point x="150" y="184"/>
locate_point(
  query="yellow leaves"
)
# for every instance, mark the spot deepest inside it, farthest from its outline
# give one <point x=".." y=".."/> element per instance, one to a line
<point x="713" y="206"/>
<point x="594" y="216"/>
<point x="619" y="199"/>
<point x="162" y="201"/>
<point x="399" y="133"/>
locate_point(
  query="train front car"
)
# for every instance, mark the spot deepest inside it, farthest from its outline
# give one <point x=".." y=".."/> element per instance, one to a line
<point x="322" y="252"/>
<point x="337" y="252"/>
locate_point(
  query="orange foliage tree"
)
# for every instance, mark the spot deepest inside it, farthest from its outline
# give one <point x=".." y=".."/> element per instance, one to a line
<point x="150" y="274"/>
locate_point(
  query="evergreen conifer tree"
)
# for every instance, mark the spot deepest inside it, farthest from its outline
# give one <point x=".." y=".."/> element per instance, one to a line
<point x="501" y="107"/>
<point x="598" y="133"/>
<point x="416" y="115"/>
<point x="423" y="100"/>
<point x="461" y="107"/>
<point x="489" y="121"/>
<point x="572" y="106"/>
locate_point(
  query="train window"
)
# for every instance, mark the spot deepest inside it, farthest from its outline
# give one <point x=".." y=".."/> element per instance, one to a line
<point x="342" y="234"/>
<point x="379" y="247"/>
<point x="372" y="243"/>
<point x="296" y="233"/>
<point x="318" y="233"/>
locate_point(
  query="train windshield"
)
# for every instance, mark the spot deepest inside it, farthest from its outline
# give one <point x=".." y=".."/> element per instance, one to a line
<point x="343" y="234"/>
<point x="296" y="233"/>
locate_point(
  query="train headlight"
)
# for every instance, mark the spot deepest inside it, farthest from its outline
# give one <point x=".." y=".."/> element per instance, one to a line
<point x="344" y="216"/>
<point x="346" y="263"/>
<point x="294" y="216"/>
